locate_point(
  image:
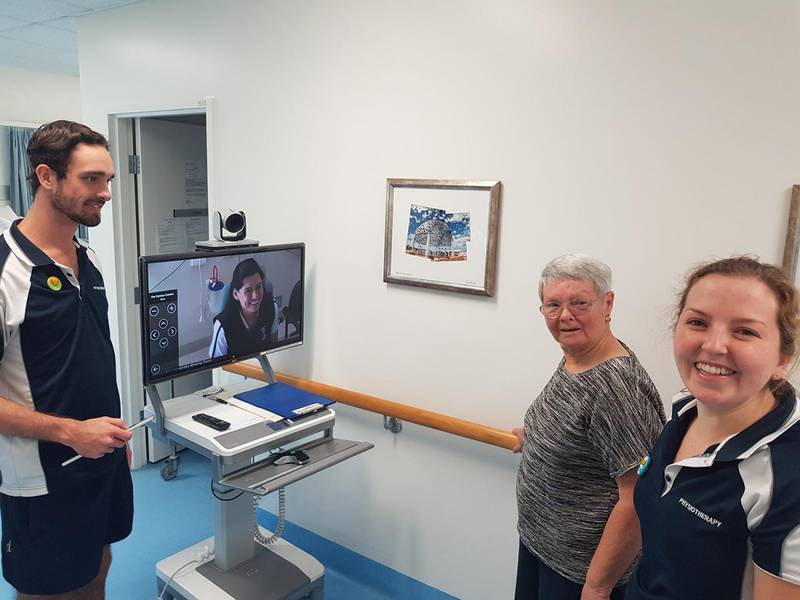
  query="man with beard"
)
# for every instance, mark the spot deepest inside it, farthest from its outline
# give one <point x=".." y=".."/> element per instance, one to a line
<point x="58" y="391"/>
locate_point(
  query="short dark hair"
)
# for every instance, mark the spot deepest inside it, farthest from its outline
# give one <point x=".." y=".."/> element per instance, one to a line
<point x="52" y="145"/>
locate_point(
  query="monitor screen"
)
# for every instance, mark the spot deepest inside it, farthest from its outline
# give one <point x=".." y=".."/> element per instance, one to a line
<point x="205" y="309"/>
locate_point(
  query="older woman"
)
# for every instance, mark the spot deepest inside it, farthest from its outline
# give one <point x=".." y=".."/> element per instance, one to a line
<point x="583" y="437"/>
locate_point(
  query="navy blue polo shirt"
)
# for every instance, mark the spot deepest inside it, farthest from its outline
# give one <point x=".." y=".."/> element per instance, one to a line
<point x="56" y="357"/>
<point x="706" y="519"/>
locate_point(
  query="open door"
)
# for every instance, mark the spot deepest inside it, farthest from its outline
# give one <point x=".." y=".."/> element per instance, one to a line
<point x="172" y="201"/>
<point x="163" y="181"/>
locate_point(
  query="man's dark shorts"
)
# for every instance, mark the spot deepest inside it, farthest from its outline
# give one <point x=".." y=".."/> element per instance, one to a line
<point x="53" y="544"/>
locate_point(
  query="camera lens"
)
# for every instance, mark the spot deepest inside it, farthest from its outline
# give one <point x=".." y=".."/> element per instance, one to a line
<point x="234" y="222"/>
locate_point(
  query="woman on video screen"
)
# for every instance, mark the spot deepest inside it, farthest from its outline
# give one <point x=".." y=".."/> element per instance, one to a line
<point x="249" y="322"/>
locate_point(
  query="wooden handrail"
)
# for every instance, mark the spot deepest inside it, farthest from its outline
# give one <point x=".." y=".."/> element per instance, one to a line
<point x="426" y="418"/>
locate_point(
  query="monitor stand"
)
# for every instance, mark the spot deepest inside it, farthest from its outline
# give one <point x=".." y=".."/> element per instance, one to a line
<point x="280" y="572"/>
<point x="241" y="568"/>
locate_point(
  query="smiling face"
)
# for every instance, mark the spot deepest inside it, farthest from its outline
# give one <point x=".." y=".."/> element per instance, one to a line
<point x="727" y="342"/>
<point x="577" y="332"/>
<point x="250" y="295"/>
<point x="81" y="194"/>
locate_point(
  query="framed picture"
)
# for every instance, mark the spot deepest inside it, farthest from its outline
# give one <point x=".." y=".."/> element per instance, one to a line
<point x="442" y="234"/>
<point x="792" y="243"/>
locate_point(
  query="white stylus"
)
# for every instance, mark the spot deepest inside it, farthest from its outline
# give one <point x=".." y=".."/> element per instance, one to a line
<point x="141" y="423"/>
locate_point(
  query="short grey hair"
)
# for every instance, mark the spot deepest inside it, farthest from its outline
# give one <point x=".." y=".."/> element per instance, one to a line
<point x="578" y="267"/>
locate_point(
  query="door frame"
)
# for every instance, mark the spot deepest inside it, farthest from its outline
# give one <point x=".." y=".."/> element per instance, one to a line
<point x="126" y="251"/>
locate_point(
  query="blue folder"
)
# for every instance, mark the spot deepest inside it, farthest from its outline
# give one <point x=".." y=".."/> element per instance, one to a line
<point x="284" y="400"/>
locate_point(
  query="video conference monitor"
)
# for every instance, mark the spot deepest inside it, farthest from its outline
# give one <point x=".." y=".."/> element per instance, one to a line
<point x="202" y="310"/>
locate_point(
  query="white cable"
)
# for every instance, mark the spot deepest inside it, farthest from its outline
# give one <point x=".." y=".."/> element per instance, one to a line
<point x="260" y="537"/>
<point x="175" y="574"/>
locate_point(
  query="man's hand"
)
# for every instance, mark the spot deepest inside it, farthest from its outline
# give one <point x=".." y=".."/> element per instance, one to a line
<point x="590" y="593"/>
<point x="520" y="433"/>
<point x="95" y="438"/>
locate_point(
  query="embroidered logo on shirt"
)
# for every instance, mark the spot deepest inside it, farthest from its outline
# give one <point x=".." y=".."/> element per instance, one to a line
<point x="54" y="283"/>
<point x="99" y="288"/>
<point x="699" y="513"/>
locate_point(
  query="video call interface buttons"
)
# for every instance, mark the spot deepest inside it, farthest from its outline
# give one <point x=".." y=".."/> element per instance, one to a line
<point x="162" y="329"/>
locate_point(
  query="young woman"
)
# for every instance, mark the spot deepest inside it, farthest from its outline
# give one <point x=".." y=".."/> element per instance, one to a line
<point x="249" y="321"/>
<point x="719" y="496"/>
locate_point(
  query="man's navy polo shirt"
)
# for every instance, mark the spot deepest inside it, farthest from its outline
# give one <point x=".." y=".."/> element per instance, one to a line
<point x="705" y="518"/>
<point x="56" y="357"/>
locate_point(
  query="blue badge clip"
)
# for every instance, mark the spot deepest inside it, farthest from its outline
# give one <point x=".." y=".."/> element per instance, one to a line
<point x="643" y="466"/>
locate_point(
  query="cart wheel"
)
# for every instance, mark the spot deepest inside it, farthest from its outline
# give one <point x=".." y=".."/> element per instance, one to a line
<point x="170" y="469"/>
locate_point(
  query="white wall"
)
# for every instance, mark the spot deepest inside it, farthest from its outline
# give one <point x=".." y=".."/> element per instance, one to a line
<point x="651" y="135"/>
<point x="29" y="98"/>
<point x="38" y="96"/>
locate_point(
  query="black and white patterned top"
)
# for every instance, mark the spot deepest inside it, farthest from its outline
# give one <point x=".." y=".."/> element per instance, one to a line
<point x="580" y="433"/>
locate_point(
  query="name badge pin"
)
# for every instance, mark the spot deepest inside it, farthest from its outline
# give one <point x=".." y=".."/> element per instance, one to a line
<point x="643" y="466"/>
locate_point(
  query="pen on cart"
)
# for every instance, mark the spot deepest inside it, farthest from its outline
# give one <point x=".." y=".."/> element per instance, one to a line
<point x="308" y="409"/>
<point x="141" y="423"/>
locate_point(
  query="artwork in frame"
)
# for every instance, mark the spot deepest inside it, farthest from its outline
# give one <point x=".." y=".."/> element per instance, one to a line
<point x="792" y="243"/>
<point x="442" y="234"/>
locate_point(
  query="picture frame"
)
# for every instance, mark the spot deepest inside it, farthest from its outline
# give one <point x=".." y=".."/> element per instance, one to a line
<point x="442" y="234"/>
<point x="792" y="243"/>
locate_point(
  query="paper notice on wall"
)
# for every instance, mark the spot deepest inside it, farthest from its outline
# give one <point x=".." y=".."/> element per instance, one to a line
<point x="171" y="236"/>
<point x="180" y="235"/>
<point x="195" y="180"/>
<point x="196" y="230"/>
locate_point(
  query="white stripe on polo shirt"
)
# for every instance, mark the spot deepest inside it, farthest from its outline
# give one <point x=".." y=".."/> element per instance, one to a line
<point x="756" y="474"/>
<point x="790" y="554"/>
<point x="19" y="457"/>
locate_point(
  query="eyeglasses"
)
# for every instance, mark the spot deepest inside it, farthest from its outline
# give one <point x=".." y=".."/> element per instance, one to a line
<point x="552" y="310"/>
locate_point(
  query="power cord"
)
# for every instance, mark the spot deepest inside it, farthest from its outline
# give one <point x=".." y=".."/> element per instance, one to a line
<point x="206" y="554"/>
<point x="260" y="537"/>
<point x="166" y="585"/>
<point x="220" y="498"/>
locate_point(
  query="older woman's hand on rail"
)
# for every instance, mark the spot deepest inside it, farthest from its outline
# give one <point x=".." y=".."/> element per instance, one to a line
<point x="520" y="433"/>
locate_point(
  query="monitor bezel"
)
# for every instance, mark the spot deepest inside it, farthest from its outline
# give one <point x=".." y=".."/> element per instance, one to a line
<point x="144" y="261"/>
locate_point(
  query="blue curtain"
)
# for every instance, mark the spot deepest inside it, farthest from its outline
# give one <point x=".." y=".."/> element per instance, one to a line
<point x="21" y="195"/>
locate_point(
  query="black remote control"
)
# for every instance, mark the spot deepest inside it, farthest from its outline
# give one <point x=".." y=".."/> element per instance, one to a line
<point x="212" y="422"/>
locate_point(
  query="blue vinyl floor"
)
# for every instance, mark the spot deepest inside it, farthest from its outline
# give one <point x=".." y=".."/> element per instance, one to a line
<point x="171" y="515"/>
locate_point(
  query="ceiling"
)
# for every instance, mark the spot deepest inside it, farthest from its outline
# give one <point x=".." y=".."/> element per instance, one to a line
<point x="42" y="35"/>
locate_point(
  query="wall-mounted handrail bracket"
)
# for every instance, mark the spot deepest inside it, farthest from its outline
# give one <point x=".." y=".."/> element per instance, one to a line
<point x="393" y="424"/>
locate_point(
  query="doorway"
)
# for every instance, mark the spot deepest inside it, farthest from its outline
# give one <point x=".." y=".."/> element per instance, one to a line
<point x="163" y="182"/>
